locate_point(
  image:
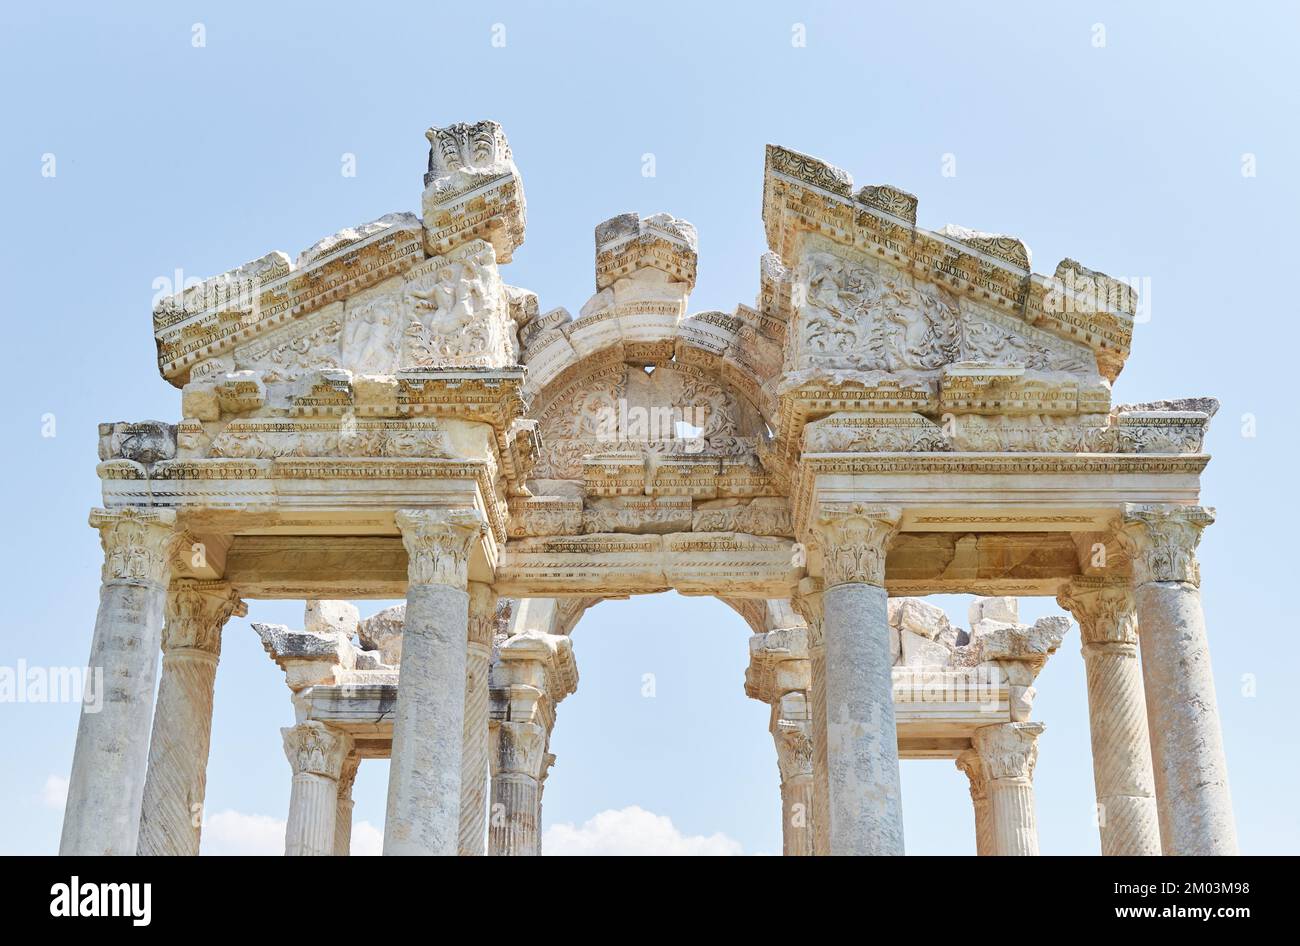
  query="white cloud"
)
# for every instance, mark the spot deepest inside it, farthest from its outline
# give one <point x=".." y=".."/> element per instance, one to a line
<point x="233" y="832"/>
<point x="54" y="793"/>
<point x="633" y="830"/>
<point x="367" y="840"/>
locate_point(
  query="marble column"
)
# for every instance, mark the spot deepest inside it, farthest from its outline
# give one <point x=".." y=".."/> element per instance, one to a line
<point x="1191" y="773"/>
<point x="519" y="755"/>
<point x="1117" y="715"/>
<point x="794" y="759"/>
<point x="1007" y="753"/>
<point x="474" y="758"/>
<point x="106" y="787"/>
<point x="343" y="809"/>
<point x="970" y="763"/>
<point x="428" y="722"/>
<point x="316" y="753"/>
<point x="171" y="818"/>
<point x="809" y="606"/>
<point x="865" y="797"/>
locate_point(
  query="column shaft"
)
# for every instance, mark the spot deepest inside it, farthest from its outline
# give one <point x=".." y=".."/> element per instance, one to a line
<point x="1117" y="715"/>
<point x="106" y="786"/>
<point x="428" y="722"/>
<point x="865" y="795"/>
<point x="1121" y="752"/>
<point x="474" y="758"/>
<point x="1007" y="755"/>
<point x="1191" y="773"/>
<point x="1011" y="813"/>
<point x="821" y="798"/>
<point x="797" y="816"/>
<point x="343" y="809"/>
<point x="514" y="826"/>
<point x="316" y="754"/>
<point x="171" y="820"/>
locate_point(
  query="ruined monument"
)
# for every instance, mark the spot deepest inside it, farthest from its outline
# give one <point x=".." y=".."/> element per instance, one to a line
<point x="901" y="412"/>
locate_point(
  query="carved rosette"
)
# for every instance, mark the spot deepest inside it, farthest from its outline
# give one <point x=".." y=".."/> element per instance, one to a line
<point x="313" y="748"/>
<point x="1104" y="608"/>
<point x="196" y="613"/>
<point x="854" y="539"/>
<point x="138" y="543"/>
<point x="438" y="543"/>
<point x="1009" y="750"/>
<point x="1161" y="540"/>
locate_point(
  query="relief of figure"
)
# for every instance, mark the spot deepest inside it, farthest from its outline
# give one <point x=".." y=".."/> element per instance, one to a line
<point x="369" y="338"/>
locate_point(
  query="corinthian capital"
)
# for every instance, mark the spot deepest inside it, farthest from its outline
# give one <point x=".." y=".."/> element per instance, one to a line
<point x="313" y="748"/>
<point x="138" y="543"/>
<point x="1008" y="750"/>
<point x="1161" y="540"/>
<point x="438" y="543"/>
<point x="971" y="763"/>
<point x="196" y="613"/>
<point x="1103" y="607"/>
<point x="854" y="539"/>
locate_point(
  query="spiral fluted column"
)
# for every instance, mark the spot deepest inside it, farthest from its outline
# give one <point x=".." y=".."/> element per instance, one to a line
<point x="970" y="763"/>
<point x="171" y="819"/>
<point x="1117" y="715"/>
<point x="474" y="758"/>
<point x="343" y="815"/>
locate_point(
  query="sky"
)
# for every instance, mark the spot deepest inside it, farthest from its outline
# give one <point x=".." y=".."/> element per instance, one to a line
<point x="1150" y="141"/>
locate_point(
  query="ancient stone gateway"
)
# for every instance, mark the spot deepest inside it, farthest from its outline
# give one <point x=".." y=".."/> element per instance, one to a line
<point x="901" y="413"/>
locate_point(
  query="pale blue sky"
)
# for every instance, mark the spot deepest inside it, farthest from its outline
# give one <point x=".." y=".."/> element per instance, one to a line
<point x="1127" y="158"/>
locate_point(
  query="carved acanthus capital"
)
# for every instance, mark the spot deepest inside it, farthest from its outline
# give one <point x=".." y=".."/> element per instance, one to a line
<point x="1161" y="540"/>
<point x="438" y="543"/>
<point x="196" y="612"/>
<point x="138" y="543"/>
<point x="482" y="616"/>
<point x="1104" y="608"/>
<point x="519" y="748"/>
<point x="794" y="749"/>
<point x="348" y="775"/>
<point x="313" y="748"/>
<point x="808" y="604"/>
<point x="854" y="539"/>
<point x="970" y="762"/>
<point x="1008" y="750"/>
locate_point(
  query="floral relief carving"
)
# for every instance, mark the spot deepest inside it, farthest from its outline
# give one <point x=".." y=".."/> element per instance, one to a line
<point x="196" y="613"/>
<point x="1161" y="540"/>
<point x="438" y="543"/>
<point x="854" y="539"/>
<point x="137" y="543"/>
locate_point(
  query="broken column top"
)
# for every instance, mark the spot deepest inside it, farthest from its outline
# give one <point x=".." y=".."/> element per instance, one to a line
<point x="629" y="242"/>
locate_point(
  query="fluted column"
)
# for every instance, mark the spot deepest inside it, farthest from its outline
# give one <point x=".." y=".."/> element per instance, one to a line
<point x="428" y="722"/>
<point x="971" y="764"/>
<point x="343" y="810"/>
<point x="514" y="825"/>
<point x="171" y="819"/>
<point x="809" y="606"/>
<point x="865" y="797"/>
<point x="474" y="758"/>
<point x="1008" y="752"/>
<point x="1191" y="773"/>
<point x="1117" y="715"/>
<point x="106" y="787"/>
<point x="794" y="759"/>
<point x="316" y="754"/>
